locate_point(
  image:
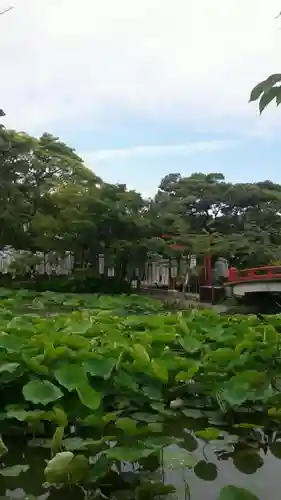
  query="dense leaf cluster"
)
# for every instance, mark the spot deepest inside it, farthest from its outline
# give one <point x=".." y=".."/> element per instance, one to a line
<point x="89" y="383"/>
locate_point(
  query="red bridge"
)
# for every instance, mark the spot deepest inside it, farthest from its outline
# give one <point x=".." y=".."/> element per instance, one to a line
<point x="254" y="274"/>
<point x="258" y="286"/>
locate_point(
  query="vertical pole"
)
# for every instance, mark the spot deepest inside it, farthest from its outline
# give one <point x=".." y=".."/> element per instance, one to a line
<point x="170" y="285"/>
<point x="208" y="263"/>
<point x="208" y="269"/>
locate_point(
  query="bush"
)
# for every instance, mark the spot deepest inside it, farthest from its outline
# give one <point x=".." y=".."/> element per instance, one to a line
<point x="75" y="283"/>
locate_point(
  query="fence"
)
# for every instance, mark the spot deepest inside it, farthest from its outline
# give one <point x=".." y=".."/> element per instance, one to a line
<point x="156" y="272"/>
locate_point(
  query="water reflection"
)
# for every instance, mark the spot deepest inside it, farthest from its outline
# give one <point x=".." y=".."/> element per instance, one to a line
<point x="262" y="481"/>
<point x="244" y="457"/>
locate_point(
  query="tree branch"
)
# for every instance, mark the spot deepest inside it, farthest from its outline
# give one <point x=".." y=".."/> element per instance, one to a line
<point x="6" y="10"/>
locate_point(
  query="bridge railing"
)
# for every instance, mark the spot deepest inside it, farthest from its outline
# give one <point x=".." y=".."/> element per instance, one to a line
<point x="254" y="273"/>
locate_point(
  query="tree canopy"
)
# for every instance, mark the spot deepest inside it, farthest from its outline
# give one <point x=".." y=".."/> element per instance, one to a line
<point x="51" y="201"/>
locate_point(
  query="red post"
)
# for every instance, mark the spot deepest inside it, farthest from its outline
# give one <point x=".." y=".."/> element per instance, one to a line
<point x="208" y="269"/>
<point x="232" y="274"/>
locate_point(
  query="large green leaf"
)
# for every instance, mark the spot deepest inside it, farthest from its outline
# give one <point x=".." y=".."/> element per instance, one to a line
<point x="3" y="447"/>
<point x="234" y="493"/>
<point x="78" y="469"/>
<point x="190" y="344"/>
<point x="192" y="413"/>
<point x="57" y="440"/>
<point x="190" y="443"/>
<point x="34" y="364"/>
<point x="29" y="416"/>
<point x="247" y="461"/>
<point x="209" y="434"/>
<point x="89" y="397"/>
<point x="154" y="427"/>
<point x="75" y="341"/>
<point x="99" y="419"/>
<point x="147" y="417"/>
<point x="161" y="407"/>
<point x="141" y="355"/>
<point x="41" y="391"/>
<point x="99" y="469"/>
<point x="60" y="417"/>
<point x="206" y="471"/>
<point x="71" y="376"/>
<point x="223" y="354"/>
<point x="183" y="376"/>
<point x="128" y="425"/>
<point x="159" y="369"/>
<point x="77" y="443"/>
<point x="58" y="467"/>
<point x="100" y="367"/>
<point x="14" y="470"/>
<point x="11" y="343"/>
<point x="275" y="413"/>
<point x="123" y="379"/>
<point x="129" y="454"/>
<point x="257" y="91"/>
<point x="238" y="389"/>
<point x="9" y="367"/>
<point x="74" y="443"/>
<point x="267" y="97"/>
<point x="235" y="395"/>
<point x="79" y="327"/>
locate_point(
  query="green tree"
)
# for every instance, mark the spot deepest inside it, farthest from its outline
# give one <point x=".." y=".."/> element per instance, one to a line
<point x="51" y="202"/>
<point x="31" y="170"/>
<point x="205" y="212"/>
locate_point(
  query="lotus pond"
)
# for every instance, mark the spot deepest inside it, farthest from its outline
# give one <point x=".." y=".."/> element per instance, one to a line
<point x="108" y="402"/>
<point x="24" y="301"/>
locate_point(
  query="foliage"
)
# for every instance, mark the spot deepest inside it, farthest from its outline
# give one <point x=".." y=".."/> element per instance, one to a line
<point x="51" y="202"/>
<point x="267" y="91"/>
<point x="87" y="383"/>
<point x="207" y="213"/>
<point x="84" y="377"/>
<point x="74" y="283"/>
<point x="44" y="303"/>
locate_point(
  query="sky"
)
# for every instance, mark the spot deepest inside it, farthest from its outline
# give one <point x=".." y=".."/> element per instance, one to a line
<point x="143" y="88"/>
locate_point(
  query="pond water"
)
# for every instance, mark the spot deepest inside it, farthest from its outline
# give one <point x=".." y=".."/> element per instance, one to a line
<point x="264" y="483"/>
<point x="245" y="458"/>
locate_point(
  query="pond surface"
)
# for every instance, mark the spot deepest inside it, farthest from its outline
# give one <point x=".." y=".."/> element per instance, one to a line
<point x="245" y="458"/>
<point x="264" y="483"/>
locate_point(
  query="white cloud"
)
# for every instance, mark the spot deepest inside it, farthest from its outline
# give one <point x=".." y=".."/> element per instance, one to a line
<point x="156" y="150"/>
<point x="190" y="60"/>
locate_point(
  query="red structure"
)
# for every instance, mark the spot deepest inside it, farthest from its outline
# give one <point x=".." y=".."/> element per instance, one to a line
<point x="257" y="288"/>
<point x="208" y="269"/>
<point x="174" y="246"/>
<point x="254" y="274"/>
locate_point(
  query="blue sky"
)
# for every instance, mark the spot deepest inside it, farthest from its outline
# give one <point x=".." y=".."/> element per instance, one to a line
<point x="140" y="154"/>
<point x="142" y="89"/>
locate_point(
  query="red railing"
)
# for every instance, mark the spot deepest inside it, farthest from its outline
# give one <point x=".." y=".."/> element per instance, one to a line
<point x="175" y="245"/>
<point x="254" y="273"/>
